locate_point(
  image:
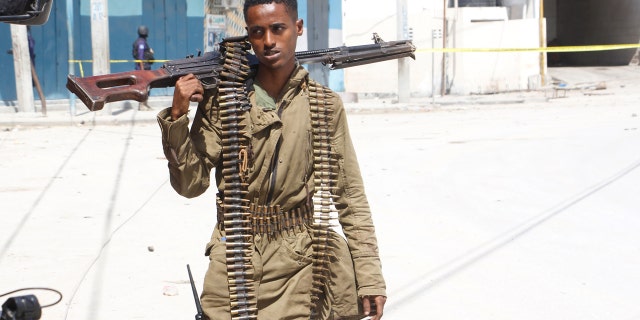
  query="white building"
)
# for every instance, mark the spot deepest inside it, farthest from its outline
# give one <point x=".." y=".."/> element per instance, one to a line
<point x="514" y="25"/>
<point x="488" y="24"/>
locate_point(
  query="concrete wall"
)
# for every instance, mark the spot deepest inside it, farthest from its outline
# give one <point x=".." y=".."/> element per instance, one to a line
<point x="591" y="22"/>
<point x="491" y="72"/>
<point x="466" y="72"/>
<point x="358" y="26"/>
<point x="175" y="31"/>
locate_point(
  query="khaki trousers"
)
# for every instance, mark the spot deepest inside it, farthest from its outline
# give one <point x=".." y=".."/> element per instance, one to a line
<point x="282" y="277"/>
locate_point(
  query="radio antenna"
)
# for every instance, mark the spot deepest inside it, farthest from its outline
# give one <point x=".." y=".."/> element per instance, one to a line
<point x="195" y="295"/>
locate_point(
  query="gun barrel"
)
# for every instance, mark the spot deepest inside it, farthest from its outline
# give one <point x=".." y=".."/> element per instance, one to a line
<point x="343" y="57"/>
<point x="316" y="56"/>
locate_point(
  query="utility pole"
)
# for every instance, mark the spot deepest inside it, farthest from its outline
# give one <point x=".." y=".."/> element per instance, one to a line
<point x="22" y="65"/>
<point x="543" y="44"/>
<point x="100" y="37"/>
<point x="72" y="97"/>
<point x="318" y="36"/>
<point x="404" y="81"/>
<point x="443" y="80"/>
<point x="100" y="41"/>
<point x="435" y="34"/>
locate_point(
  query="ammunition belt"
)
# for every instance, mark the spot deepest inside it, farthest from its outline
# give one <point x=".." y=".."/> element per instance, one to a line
<point x="270" y="220"/>
<point x="325" y="171"/>
<point x="233" y="103"/>
<point x="240" y="219"/>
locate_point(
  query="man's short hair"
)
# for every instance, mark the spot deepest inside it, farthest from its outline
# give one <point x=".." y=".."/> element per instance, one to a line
<point x="291" y="5"/>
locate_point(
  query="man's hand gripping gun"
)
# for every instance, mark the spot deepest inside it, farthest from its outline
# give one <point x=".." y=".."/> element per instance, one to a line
<point x="95" y="91"/>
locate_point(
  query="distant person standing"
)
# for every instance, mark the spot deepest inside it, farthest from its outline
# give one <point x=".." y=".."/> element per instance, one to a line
<point x="144" y="53"/>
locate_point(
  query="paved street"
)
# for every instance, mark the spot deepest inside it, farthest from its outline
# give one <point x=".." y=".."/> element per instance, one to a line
<point x="511" y="206"/>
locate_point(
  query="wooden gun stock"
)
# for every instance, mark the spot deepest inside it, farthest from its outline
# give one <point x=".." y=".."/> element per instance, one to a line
<point x="95" y="91"/>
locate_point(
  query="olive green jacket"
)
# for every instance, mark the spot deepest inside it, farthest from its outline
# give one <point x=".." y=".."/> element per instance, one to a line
<point x="284" y="174"/>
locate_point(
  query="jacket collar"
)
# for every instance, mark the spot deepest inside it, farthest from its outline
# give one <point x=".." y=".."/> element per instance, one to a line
<point x="298" y="76"/>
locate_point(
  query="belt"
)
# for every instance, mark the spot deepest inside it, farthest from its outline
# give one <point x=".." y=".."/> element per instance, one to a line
<point x="269" y="220"/>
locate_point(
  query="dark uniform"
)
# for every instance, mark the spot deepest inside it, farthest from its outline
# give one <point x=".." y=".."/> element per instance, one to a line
<point x="142" y="51"/>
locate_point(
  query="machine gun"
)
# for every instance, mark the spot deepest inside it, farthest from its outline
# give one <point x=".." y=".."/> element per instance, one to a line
<point x="95" y="91"/>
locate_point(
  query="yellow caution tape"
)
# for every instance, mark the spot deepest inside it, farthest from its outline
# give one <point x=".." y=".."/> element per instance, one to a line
<point x="80" y="62"/>
<point x="602" y="47"/>
<point x="117" y="61"/>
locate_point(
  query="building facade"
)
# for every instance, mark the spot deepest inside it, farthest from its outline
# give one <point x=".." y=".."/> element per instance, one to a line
<point x="457" y="25"/>
<point x="182" y="27"/>
<point x="63" y="44"/>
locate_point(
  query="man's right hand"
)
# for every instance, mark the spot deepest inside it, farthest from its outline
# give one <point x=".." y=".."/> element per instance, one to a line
<point x="371" y="302"/>
<point x="188" y="89"/>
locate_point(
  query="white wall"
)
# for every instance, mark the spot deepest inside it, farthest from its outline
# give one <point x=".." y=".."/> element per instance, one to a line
<point x="472" y="72"/>
<point x="491" y="72"/>
<point x="361" y="19"/>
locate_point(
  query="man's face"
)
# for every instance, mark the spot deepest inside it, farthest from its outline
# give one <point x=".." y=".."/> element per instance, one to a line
<point x="273" y="33"/>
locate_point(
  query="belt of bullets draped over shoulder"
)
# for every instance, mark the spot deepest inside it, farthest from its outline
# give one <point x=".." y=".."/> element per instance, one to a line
<point x="242" y="220"/>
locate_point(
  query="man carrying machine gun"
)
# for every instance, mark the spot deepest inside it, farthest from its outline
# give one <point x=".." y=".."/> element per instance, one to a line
<point x="286" y="172"/>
